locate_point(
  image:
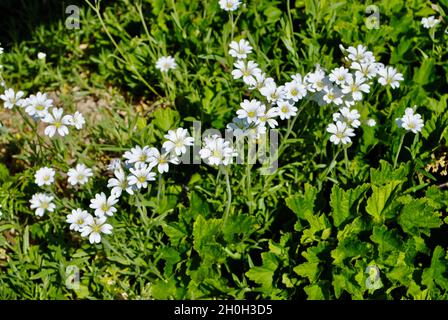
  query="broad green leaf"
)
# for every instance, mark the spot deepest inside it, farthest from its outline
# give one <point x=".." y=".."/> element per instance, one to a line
<point x="418" y="216"/>
<point x="341" y="202"/>
<point x="309" y="270"/>
<point x="303" y="204"/>
<point x="264" y="274"/>
<point x="205" y="234"/>
<point x="317" y="291"/>
<point x="437" y="273"/>
<point x="165" y="119"/>
<point x="349" y="248"/>
<point x="387" y="240"/>
<point x="385" y="173"/>
<point x="379" y="200"/>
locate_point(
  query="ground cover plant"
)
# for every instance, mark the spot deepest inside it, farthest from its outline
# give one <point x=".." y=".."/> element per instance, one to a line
<point x="224" y="149"/>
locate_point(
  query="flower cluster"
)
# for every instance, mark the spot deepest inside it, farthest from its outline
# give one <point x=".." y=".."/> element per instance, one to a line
<point x="346" y="87"/>
<point x="40" y="107"/>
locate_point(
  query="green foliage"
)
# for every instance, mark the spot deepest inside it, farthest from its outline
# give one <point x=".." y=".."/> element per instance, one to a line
<point x="308" y="231"/>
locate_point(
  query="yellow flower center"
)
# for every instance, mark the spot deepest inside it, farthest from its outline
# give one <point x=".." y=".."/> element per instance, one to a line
<point x="40" y="107"/>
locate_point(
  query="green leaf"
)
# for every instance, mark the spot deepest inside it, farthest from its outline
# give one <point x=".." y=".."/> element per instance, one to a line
<point x="349" y="248"/>
<point x="341" y="202"/>
<point x="385" y="239"/>
<point x="165" y="119"/>
<point x="385" y="173"/>
<point x="303" y="204"/>
<point x="437" y="273"/>
<point x="317" y="291"/>
<point x="379" y="199"/>
<point x="264" y="274"/>
<point x="418" y="216"/>
<point x="205" y="242"/>
<point x="309" y="270"/>
<point x="425" y="74"/>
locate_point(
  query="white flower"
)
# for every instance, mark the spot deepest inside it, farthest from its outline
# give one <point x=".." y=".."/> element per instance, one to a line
<point x="138" y="155"/>
<point x="315" y="80"/>
<point x="12" y="99"/>
<point x="246" y="70"/>
<point x="44" y="176"/>
<point x="356" y="86"/>
<point x="78" y="219"/>
<point x="340" y="132"/>
<point x="339" y="75"/>
<point x="229" y="5"/>
<point x="77" y="120"/>
<point x="103" y="205"/>
<point x="58" y="123"/>
<point x="79" y="175"/>
<point x="239" y="127"/>
<point x="430" y="22"/>
<point x="360" y="54"/>
<point x="294" y="90"/>
<point x="285" y="110"/>
<point x="260" y="81"/>
<point x="42" y="202"/>
<point x="119" y="183"/>
<point x="41" y="56"/>
<point x="178" y="141"/>
<point x="240" y="49"/>
<point x="273" y="93"/>
<point x="251" y="110"/>
<point x="1" y="50"/>
<point x="411" y="121"/>
<point x="114" y="164"/>
<point x="140" y="175"/>
<point x="332" y="95"/>
<point x="166" y="63"/>
<point x="37" y="105"/>
<point x="268" y="118"/>
<point x="217" y="151"/>
<point x="162" y="160"/>
<point x="389" y="76"/>
<point x="371" y="122"/>
<point x="350" y="117"/>
<point x="368" y="70"/>
<point x="95" y="227"/>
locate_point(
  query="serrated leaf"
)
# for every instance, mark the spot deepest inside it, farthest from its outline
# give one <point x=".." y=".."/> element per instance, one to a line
<point x="302" y="204"/>
<point x="264" y="274"/>
<point x="309" y="270"/>
<point x="349" y="248"/>
<point x="341" y="202"/>
<point x="418" y="216"/>
<point x="437" y="273"/>
<point x="385" y="173"/>
<point x="379" y="199"/>
<point x="205" y="234"/>
<point x="387" y="240"/>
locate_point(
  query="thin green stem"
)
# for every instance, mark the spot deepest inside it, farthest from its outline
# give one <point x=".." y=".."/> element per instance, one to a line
<point x="159" y="189"/>
<point x="232" y="26"/>
<point x="229" y="195"/>
<point x="131" y="66"/>
<point x="399" y="149"/>
<point x="250" y="199"/>
<point x="346" y="158"/>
